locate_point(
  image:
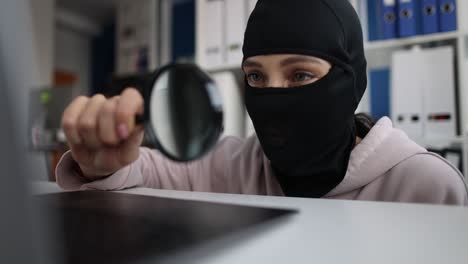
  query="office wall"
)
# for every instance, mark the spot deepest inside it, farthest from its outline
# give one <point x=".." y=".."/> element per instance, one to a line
<point x="73" y="54"/>
<point x="102" y="58"/>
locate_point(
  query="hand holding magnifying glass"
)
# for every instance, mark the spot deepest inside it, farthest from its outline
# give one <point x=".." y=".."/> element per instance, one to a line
<point x="182" y="116"/>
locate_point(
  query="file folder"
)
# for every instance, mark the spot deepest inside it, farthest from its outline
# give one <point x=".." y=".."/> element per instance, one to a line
<point x="408" y="18"/>
<point x="447" y="15"/>
<point x="213" y="26"/>
<point x="249" y="127"/>
<point x="380" y="92"/>
<point x="439" y="91"/>
<point x="373" y="20"/>
<point x="406" y="94"/>
<point x="236" y="22"/>
<point x="233" y="104"/>
<point x="388" y="18"/>
<point x="183" y="37"/>
<point x="430" y="17"/>
<point x="250" y="6"/>
<point x="355" y="4"/>
<point x="363" y="16"/>
<point x="423" y="92"/>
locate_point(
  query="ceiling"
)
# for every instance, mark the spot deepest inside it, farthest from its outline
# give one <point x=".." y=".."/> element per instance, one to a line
<point x="98" y="11"/>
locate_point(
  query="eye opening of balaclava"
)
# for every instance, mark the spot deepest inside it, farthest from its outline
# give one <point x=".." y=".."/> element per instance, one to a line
<point x="308" y="132"/>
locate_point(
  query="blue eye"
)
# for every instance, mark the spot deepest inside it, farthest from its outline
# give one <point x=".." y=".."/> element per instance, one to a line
<point x="254" y="77"/>
<point x="303" y="76"/>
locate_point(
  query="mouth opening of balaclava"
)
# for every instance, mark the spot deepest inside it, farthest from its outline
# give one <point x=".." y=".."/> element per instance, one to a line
<point x="307" y="132"/>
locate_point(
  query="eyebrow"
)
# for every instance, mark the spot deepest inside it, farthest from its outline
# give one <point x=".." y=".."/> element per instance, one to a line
<point x="285" y="62"/>
<point x="250" y="63"/>
<point x="299" y="59"/>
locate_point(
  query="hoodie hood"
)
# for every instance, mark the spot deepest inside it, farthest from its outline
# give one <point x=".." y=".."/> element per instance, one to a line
<point x="381" y="150"/>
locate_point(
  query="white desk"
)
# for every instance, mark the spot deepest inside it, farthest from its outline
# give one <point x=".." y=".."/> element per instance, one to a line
<point x="328" y="231"/>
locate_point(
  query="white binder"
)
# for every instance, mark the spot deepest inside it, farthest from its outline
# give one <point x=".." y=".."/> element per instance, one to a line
<point x="233" y="106"/>
<point x="423" y="92"/>
<point x="236" y="20"/>
<point x="406" y="94"/>
<point x="250" y="6"/>
<point x="355" y="4"/>
<point x="249" y="127"/>
<point x="438" y="81"/>
<point x="212" y="32"/>
<point x="362" y="13"/>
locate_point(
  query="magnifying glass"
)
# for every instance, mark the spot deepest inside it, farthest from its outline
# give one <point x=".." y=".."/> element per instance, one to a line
<point x="183" y="112"/>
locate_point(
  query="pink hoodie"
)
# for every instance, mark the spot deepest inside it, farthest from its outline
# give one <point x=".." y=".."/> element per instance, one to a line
<point x="385" y="166"/>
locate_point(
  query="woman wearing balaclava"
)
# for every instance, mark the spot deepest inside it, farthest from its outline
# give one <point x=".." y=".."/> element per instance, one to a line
<point x="305" y="73"/>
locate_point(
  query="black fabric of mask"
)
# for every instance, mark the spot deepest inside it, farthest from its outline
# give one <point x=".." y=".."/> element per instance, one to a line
<point x="308" y="132"/>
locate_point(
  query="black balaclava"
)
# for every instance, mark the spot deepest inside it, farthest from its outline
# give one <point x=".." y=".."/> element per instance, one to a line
<point x="308" y="132"/>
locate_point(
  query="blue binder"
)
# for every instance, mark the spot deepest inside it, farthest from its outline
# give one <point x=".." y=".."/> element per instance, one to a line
<point x="388" y="15"/>
<point x="447" y="15"/>
<point x="408" y="18"/>
<point x="373" y="20"/>
<point x="430" y="16"/>
<point x="380" y="92"/>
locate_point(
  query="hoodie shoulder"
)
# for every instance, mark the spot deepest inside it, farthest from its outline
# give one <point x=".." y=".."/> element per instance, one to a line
<point x="381" y="150"/>
<point x="247" y="169"/>
<point x="235" y="148"/>
<point x="428" y="178"/>
<point x="388" y="166"/>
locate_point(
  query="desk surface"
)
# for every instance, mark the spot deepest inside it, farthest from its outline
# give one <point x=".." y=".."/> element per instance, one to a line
<point x="330" y="231"/>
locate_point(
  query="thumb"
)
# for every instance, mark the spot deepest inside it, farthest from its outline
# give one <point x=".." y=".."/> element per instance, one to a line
<point x="129" y="105"/>
<point x="130" y="148"/>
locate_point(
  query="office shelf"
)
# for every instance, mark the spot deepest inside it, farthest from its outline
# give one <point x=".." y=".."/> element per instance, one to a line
<point x="395" y="43"/>
<point x="375" y="46"/>
<point x="223" y="68"/>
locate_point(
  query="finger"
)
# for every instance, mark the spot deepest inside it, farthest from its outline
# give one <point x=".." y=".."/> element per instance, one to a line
<point x="87" y="123"/>
<point x="130" y="149"/>
<point x="70" y="119"/>
<point x="107" y="124"/>
<point x="82" y="155"/>
<point x="130" y="104"/>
